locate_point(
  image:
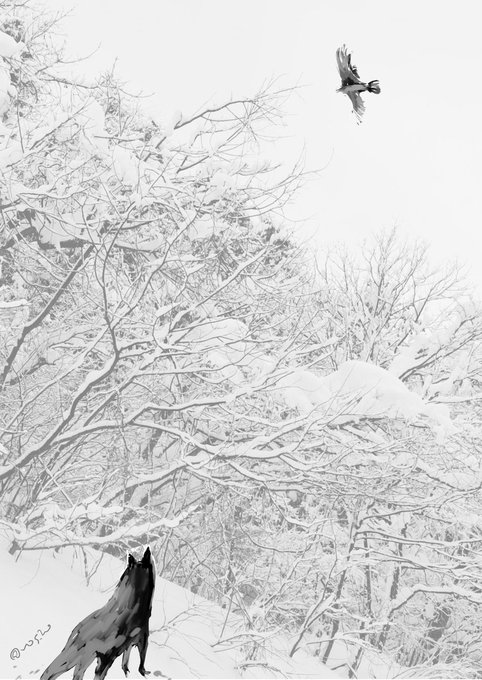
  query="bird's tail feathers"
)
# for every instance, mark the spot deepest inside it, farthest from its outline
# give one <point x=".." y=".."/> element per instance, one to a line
<point x="374" y="86"/>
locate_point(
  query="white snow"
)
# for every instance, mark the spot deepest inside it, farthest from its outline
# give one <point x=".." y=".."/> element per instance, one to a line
<point x="56" y="231"/>
<point x="5" y="88"/>
<point x="13" y="303"/>
<point x="203" y="227"/>
<point x="362" y="390"/>
<point x="126" y="165"/>
<point x="303" y="390"/>
<point x="424" y="343"/>
<point x="8" y="46"/>
<point x="376" y="391"/>
<point x="47" y="596"/>
<point x="92" y="119"/>
<point x="224" y="343"/>
<point x="220" y="183"/>
<point x="175" y="120"/>
<point x="10" y="154"/>
<point x="207" y="226"/>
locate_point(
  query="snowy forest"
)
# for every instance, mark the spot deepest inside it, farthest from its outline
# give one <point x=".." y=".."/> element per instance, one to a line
<point x="296" y="434"/>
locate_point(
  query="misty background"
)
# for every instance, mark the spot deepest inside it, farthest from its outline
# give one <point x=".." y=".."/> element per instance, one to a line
<point x="413" y="163"/>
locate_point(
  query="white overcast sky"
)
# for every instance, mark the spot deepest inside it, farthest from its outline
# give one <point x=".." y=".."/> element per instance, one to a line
<point x="414" y="162"/>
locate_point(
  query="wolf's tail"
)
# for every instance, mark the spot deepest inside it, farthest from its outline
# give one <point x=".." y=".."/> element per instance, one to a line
<point x="374" y="86"/>
<point x="61" y="664"/>
<point x="53" y="671"/>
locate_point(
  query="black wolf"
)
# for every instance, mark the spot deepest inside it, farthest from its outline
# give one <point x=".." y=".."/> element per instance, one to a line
<point x="113" y="630"/>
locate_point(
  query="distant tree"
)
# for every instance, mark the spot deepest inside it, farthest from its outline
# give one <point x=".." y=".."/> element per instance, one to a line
<point x="376" y="299"/>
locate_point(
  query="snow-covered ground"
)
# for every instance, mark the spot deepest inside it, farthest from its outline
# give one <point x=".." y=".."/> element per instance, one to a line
<point x="45" y="594"/>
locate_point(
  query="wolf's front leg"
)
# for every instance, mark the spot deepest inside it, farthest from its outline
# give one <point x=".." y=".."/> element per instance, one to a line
<point x="142" y="645"/>
<point x="125" y="660"/>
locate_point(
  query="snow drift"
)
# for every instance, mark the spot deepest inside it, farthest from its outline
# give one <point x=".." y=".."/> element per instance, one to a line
<point x="358" y="390"/>
<point x="45" y="595"/>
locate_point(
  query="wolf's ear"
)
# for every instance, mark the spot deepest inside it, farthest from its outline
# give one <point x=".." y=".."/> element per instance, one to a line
<point x="131" y="561"/>
<point x="146" y="559"/>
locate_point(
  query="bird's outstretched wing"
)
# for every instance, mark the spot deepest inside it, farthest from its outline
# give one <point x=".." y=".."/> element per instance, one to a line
<point x="348" y="72"/>
<point x="358" y="104"/>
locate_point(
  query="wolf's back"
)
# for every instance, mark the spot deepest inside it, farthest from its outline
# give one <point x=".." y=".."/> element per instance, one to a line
<point x="77" y="651"/>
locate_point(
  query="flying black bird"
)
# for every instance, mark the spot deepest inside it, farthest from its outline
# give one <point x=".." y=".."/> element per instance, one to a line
<point x="351" y="85"/>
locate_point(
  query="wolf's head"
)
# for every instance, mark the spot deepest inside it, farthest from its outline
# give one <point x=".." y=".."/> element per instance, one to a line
<point x="136" y="585"/>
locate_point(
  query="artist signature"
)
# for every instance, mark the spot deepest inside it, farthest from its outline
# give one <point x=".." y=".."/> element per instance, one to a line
<point x="15" y="652"/>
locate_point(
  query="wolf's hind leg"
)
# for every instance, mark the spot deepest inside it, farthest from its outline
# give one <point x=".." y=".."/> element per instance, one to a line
<point x="80" y="668"/>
